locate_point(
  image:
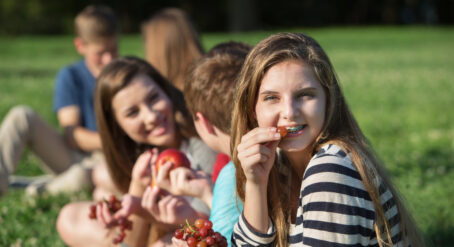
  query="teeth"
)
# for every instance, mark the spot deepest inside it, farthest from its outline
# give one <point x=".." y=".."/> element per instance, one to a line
<point x="294" y="129"/>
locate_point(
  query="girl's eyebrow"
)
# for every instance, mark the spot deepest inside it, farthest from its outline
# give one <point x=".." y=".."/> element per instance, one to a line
<point x="299" y="90"/>
<point x="269" y="92"/>
<point x="307" y="89"/>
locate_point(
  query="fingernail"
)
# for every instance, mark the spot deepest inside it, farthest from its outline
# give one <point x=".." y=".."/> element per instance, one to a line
<point x="277" y="135"/>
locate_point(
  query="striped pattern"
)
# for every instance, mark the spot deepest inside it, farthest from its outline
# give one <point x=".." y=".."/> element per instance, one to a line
<point x="334" y="208"/>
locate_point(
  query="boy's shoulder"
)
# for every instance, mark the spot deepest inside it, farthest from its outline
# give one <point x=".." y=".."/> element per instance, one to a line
<point x="76" y="71"/>
<point x="76" y="66"/>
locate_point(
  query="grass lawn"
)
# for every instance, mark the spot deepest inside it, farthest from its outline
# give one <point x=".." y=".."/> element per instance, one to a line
<point x="398" y="82"/>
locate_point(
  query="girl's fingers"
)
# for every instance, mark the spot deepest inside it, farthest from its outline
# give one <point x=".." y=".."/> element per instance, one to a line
<point x="252" y="160"/>
<point x="154" y="200"/>
<point x="253" y="150"/>
<point x="260" y="135"/>
<point x="162" y="175"/>
<point x="146" y="198"/>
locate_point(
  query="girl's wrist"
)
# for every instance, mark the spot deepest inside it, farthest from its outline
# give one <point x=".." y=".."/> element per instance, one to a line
<point x="136" y="188"/>
<point x="256" y="187"/>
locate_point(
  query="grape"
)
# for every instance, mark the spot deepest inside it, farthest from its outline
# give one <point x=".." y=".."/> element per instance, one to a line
<point x="192" y="242"/>
<point x="178" y="234"/>
<point x="208" y="224"/>
<point x="210" y="240"/>
<point x="113" y="204"/>
<point x="199" y="223"/>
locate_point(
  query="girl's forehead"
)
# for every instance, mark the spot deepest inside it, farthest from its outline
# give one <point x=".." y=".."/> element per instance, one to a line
<point x="288" y="74"/>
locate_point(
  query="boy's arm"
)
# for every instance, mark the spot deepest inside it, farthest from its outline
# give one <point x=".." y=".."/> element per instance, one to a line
<point x="76" y="135"/>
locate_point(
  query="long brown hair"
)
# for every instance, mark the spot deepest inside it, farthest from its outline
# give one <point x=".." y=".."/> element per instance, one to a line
<point x="121" y="151"/>
<point x="339" y="128"/>
<point x="171" y="44"/>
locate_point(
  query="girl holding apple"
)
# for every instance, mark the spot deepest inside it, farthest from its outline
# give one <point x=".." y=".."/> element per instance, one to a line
<point x="320" y="184"/>
<point x="137" y="111"/>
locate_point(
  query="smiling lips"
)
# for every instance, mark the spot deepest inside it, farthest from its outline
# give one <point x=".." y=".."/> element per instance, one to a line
<point x="160" y="129"/>
<point x="291" y="131"/>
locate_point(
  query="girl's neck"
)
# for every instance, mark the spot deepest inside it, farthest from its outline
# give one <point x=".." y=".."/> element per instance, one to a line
<point x="299" y="161"/>
<point x="176" y="143"/>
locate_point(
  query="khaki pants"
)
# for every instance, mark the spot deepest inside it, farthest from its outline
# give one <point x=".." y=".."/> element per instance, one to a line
<point x="22" y="127"/>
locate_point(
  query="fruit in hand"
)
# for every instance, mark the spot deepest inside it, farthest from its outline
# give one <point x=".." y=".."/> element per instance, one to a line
<point x="113" y="204"/>
<point x="174" y="156"/>
<point x="200" y="234"/>
<point x="282" y="130"/>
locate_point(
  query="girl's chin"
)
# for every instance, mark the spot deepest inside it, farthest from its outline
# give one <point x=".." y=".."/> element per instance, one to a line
<point x="161" y="141"/>
<point x="293" y="147"/>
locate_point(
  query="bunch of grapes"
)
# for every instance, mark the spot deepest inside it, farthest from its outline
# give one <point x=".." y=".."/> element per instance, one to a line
<point x="114" y="205"/>
<point x="200" y="234"/>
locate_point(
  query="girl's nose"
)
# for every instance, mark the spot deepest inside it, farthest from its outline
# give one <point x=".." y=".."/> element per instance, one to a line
<point x="290" y="109"/>
<point x="149" y="115"/>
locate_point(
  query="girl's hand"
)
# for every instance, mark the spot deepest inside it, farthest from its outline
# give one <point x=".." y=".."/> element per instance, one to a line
<point x="256" y="153"/>
<point x="185" y="181"/>
<point x="166" y="208"/>
<point x="129" y="205"/>
<point x="141" y="172"/>
<point x="193" y="183"/>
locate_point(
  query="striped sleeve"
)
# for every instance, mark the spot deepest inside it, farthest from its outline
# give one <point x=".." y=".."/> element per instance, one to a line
<point x="243" y="234"/>
<point x="335" y="209"/>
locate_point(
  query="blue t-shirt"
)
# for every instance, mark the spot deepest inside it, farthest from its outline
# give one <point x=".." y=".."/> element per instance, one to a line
<point x="75" y="85"/>
<point x="225" y="209"/>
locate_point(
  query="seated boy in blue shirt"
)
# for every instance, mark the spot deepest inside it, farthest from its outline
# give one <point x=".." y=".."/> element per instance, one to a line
<point x="72" y="155"/>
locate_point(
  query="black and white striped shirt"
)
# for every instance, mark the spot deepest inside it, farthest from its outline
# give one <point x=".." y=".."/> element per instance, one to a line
<point x="334" y="209"/>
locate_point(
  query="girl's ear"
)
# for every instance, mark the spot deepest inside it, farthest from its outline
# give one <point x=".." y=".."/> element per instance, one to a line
<point x="79" y="45"/>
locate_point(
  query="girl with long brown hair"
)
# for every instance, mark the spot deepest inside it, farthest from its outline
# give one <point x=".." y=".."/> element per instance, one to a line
<point x="137" y="109"/>
<point x="171" y="44"/>
<point x="304" y="170"/>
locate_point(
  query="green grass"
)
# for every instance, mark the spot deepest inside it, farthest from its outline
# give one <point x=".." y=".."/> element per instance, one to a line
<point x="398" y="82"/>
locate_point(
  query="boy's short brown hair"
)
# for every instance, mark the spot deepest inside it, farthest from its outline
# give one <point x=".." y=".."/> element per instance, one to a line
<point x="96" y="23"/>
<point x="209" y="87"/>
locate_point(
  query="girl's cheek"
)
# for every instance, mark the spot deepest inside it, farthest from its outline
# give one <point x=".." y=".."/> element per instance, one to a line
<point x="267" y="116"/>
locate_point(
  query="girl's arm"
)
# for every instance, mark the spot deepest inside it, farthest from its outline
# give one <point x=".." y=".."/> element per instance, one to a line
<point x="141" y="178"/>
<point x="256" y="153"/>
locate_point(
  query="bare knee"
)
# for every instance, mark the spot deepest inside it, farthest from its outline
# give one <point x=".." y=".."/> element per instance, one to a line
<point x="64" y="222"/>
<point x="77" y="229"/>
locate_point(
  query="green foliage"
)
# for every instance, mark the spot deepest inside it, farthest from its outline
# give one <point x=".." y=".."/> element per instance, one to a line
<point x="398" y="82"/>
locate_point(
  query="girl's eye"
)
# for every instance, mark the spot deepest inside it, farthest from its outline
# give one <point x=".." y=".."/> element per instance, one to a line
<point x="269" y="98"/>
<point x="309" y="95"/>
<point x="132" y="113"/>
<point x="153" y="97"/>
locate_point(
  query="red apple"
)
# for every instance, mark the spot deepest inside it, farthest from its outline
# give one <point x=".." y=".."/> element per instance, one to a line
<point x="174" y="156"/>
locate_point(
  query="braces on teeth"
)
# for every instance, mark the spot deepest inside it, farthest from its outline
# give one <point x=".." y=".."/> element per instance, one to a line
<point x="294" y="129"/>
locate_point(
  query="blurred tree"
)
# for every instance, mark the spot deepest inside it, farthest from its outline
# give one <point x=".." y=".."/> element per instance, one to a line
<point x="56" y="16"/>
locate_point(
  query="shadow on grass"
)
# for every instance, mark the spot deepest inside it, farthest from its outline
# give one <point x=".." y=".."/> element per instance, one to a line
<point x="441" y="237"/>
<point x="437" y="166"/>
